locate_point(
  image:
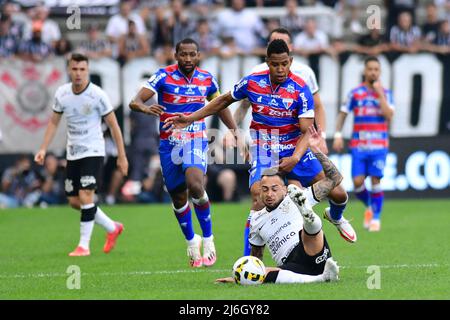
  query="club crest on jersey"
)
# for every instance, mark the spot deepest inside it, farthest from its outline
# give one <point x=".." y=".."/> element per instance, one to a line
<point x="202" y="90"/>
<point x="290" y="88"/>
<point x="86" y="109"/>
<point x="288" y="102"/>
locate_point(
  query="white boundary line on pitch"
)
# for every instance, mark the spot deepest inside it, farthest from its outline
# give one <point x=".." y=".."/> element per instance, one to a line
<point x="149" y="273"/>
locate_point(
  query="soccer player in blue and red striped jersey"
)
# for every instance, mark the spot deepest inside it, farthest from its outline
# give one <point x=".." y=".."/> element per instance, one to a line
<point x="282" y="108"/>
<point x="184" y="87"/>
<point x="373" y="107"/>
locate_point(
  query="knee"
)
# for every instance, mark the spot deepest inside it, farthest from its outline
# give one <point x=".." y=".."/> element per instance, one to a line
<point x="196" y="188"/>
<point x="75" y="203"/>
<point x="338" y="194"/>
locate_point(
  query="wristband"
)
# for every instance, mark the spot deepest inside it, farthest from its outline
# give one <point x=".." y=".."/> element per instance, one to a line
<point x="337" y="135"/>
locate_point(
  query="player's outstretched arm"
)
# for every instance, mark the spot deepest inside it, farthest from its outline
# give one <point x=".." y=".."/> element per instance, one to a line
<point x="179" y="121"/>
<point x="138" y="103"/>
<point x="241" y="111"/>
<point x="122" y="162"/>
<point x="332" y="175"/>
<point x="48" y="137"/>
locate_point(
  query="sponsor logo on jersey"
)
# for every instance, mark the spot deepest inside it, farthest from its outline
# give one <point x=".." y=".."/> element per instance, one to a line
<point x="201" y="77"/>
<point x="273" y="102"/>
<point x="177" y="90"/>
<point x="87" y="180"/>
<point x="189" y="91"/>
<point x="241" y="84"/>
<point x="154" y="79"/>
<point x="176" y="77"/>
<point x="290" y="88"/>
<point x="262" y="83"/>
<point x="259" y="100"/>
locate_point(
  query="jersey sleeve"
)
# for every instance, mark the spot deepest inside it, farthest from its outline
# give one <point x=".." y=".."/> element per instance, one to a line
<point x="105" y="105"/>
<point x="239" y="91"/>
<point x="347" y="106"/>
<point x="254" y="238"/>
<point x="305" y="103"/>
<point x="311" y="81"/>
<point x="155" y="82"/>
<point x="57" y="107"/>
<point x="213" y="91"/>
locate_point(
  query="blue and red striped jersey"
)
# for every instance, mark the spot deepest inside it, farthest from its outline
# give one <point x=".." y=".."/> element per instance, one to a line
<point x="276" y="109"/>
<point x="370" y="128"/>
<point x="177" y="93"/>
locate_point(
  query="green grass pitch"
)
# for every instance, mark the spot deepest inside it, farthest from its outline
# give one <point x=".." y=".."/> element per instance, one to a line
<point x="150" y="262"/>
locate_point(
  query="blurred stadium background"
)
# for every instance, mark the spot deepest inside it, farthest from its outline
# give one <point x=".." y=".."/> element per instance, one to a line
<point x="127" y="41"/>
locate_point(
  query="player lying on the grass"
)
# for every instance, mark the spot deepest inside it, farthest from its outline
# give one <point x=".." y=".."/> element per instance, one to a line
<point x="289" y="227"/>
<point x="84" y="105"/>
<point x="282" y="110"/>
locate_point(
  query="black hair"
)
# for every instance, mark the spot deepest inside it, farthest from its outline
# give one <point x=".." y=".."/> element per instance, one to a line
<point x="282" y="31"/>
<point x="78" y="57"/>
<point x="277" y="46"/>
<point x="185" y="41"/>
<point x="369" y="59"/>
<point x="272" y="172"/>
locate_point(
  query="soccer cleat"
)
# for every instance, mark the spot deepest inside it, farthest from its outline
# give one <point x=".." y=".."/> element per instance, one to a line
<point x="80" y="252"/>
<point x="209" y="253"/>
<point x="193" y="252"/>
<point x="368" y="214"/>
<point x="297" y="195"/>
<point x="375" y="225"/>
<point x="344" y="227"/>
<point x="111" y="238"/>
<point x="331" y="270"/>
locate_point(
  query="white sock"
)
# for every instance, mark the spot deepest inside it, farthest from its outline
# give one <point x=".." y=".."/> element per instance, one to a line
<point x="312" y="226"/>
<point x="86" y="229"/>
<point x="204" y="199"/>
<point x="286" y="276"/>
<point x="103" y="220"/>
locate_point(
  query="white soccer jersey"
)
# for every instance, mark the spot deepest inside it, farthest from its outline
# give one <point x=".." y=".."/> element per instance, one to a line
<point x="299" y="69"/>
<point x="84" y="112"/>
<point x="279" y="229"/>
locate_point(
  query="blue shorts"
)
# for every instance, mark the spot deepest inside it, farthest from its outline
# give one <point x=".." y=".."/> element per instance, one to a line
<point x="305" y="171"/>
<point x="370" y="163"/>
<point x="176" y="159"/>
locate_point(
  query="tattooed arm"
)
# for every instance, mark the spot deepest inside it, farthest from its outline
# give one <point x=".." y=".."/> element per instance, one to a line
<point x="333" y="177"/>
<point x="257" y="252"/>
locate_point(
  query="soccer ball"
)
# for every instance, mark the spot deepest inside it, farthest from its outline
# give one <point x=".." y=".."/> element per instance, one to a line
<point x="249" y="271"/>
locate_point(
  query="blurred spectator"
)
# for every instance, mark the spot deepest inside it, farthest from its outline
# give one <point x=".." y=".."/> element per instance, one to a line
<point x="229" y="48"/>
<point x="405" y="37"/>
<point x="292" y="21"/>
<point x="371" y="44"/>
<point x="179" y="24"/>
<point x="243" y="25"/>
<point x="441" y="43"/>
<point x="63" y="47"/>
<point x="8" y="41"/>
<point x="50" y="29"/>
<point x="132" y="45"/>
<point x="20" y="185"/>
<point x="95" y="47"/>
<point x="395" y="7"/>
<point x="52" y="185"/>
<point x="35" y="50"/>
<point x="312" y="41"/>
<point x="431" y="25"/>
<point x="265" y="3"/>
<point x="353" y="24"/>
<point x="208" y="43"/>
<point x="162" y="42"/>
<point x="118" y="24"/>
<point x="19" y="20"/>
